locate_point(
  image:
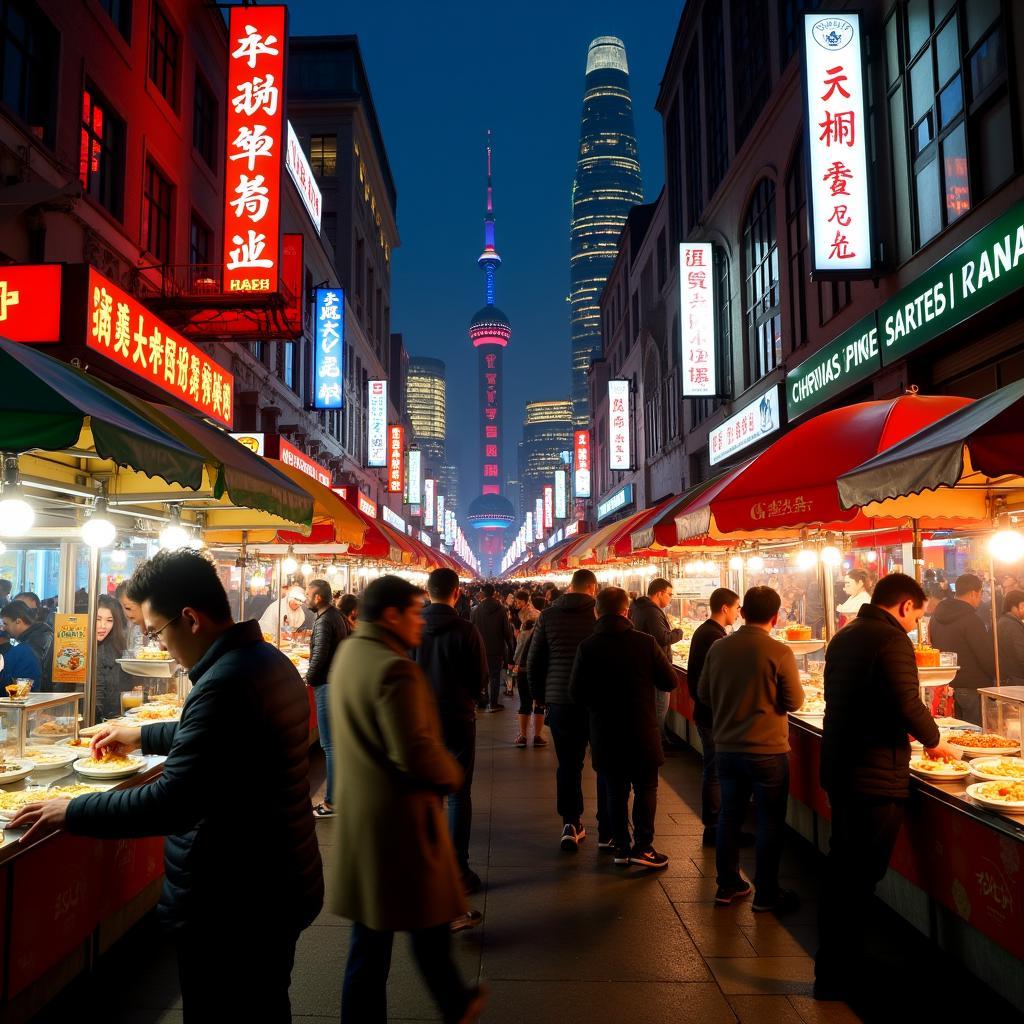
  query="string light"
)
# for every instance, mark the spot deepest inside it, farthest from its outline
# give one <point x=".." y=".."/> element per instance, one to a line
<point x="98" y="531"/>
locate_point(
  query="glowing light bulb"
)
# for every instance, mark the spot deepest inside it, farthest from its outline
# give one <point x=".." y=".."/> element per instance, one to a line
<point x="289" y="565"/>
<point x="98" y="531"/>
<point x="1007" y="546"/>
<point x="831" y="555"/>
<point x="173" y="536"/>
<point x="306" y="569"/>
<point x="16" y="516"/>
<point x="755" y="563"/>
<point x="806" y="559"/>
<point x="871" y="557"/>
<point x="735" y="563"/>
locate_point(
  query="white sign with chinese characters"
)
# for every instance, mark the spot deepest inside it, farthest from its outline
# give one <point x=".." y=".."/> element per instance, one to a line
<point x="561" y="510"/>
<point x="747" y="427"/>
<point x="302" y="174"/>
<point x="697" y="310"/>
<point x="415" y="485"/>
<point x="376" y="423"/>
<point x="836" y="129"/>
<point x="429" y="501"/>
<point x="538" y="519"/>
<point x="620" y="455"/>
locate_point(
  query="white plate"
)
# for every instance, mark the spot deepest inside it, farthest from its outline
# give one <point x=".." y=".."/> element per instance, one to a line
<point x="799" y="647"/>
<point x="150" y="668"/>
<point x="936" y="675"/>
<point x="1008" y="807"/>
<point x="83" y="767"/>
<point x="64" y="756"/>
<point x="948" y="773"/>
<point x="965" y="752"/>
<point x="981" y="767"/>
<point x="24" y="769"/>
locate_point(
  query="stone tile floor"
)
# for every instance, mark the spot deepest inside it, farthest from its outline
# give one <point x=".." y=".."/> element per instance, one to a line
<point x="573" y="937"/>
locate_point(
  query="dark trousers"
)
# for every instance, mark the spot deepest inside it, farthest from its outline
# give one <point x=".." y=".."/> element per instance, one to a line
<point x="460" y="739"/>
<point x="968" y="705"/>
<point x="766" y="778"/>
<point x="864" y="833"/>
<point x="710" y="790"/>
<point x="644" y="783"/>
<point x="570" y="730"/>
<point x="260" y="959"/>
<point x="364" y="998"/>
<point x="494" y="680"/>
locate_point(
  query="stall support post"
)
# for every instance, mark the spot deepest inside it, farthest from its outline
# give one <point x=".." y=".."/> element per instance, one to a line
<point x="66" y="587"/>
<point x="280" y="595"/>
<point x="243" y="586"/>
<point x="828" y="593"/>
<point x="94" y="598"/>
<point x="992" y="605"/>
<point x="917" y="552"/>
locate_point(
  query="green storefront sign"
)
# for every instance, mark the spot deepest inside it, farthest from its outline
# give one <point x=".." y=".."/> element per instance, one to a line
<point x="852" y="357"/>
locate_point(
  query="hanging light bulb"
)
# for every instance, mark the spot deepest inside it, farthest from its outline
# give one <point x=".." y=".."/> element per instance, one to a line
<point x="306" y="569"/>
<point x="755" y="563"/>
<point x="871" y="557"/>
<point x="174" y="535"/>
<point x="1007" y="546"/>
<point x="119" y="556"/>
<point x="257" y="580"/>
<point x="289" y="565"/>
<point x="98" y="531"/>
<point x="806" y="558"/>
<point x="831" y="555"/>
<point x="16" y="514"/>
<point x="196" y="543"/>
<point x="735" y="563"/>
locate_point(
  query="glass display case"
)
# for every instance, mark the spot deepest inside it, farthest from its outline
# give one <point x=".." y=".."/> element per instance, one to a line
<point x="1002" y="711"/>
<point x="38" y="719"/>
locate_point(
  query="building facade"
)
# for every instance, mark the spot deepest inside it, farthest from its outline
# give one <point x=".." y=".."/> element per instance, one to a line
<point x="547" y="434"/>
<point x="425" y="401"/>
<point x="607" y="183"/>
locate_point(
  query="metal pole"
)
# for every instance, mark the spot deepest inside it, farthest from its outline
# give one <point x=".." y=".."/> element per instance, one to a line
<point x="242" y="587"/>
<point x="992" y="603"/>
<point x="917" y="551"/>
<point x="828" y="594"/>
<point x="94" y="597"/>
<point x="280" y="595"/>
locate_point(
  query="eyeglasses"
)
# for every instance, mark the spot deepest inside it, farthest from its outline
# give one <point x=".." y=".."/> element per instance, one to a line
<point x="154" y="634"/>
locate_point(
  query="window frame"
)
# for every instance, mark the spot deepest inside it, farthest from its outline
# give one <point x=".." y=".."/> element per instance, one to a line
<point x="208" y="114"/>
<point x="163" y="250"/>
<point x="122" y="22"/>
<point x="757" y="312"/>
<point x="117" y="151"/>
<point x="318" y="163"/>
<point x="36" y="67"/>
<point x="164" y="59"/>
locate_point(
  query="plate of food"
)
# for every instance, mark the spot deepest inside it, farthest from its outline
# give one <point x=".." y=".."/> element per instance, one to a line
<point x="939" y="769"/>
<point x="12" y="802"/>
<point x="152" y="714"/>
<point x="52" y="757"/>
<point x="109" y="766"/>
<point x="69" y="659"/>
<point x="995" y="768"/>
<point x="1000" y="796"/>
<point x="975" y="744"/>
<point x="14" y="769"/>
<point x="54" y="728"/>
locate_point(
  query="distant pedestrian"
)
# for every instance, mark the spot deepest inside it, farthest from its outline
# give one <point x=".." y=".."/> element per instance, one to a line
<point x="1010" y="630"/>
<point x="329" y="629"/>
<point x="616" y="674"/>
<point x="451" y="655"/>
<point x="20" y="624"/>
<point x="562" y="627"/>
<point x="5" y="591"/>
<point x="529" y="710"/>
<point x="725" y="610"/>
<point x="394" y="866"/>
<point x="491" y="619"/>
<point x="751" y="682"/>
<point x="648" y="615"/>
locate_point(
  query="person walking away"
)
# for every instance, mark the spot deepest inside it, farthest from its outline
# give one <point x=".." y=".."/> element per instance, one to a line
<point x="237" y="890"/>
<point x="725" y="610"/>
<point x="616" y="673"/>
<point x="395" y="868"/>
<point x="864" y="769"/>
<point x="529" y="613"/>
<point x="111" y="679"/>
<point x="648" y="615"/>
<point x="451" y="656"/>
<point x="491" y="619"/>
<point x="955" y="626"/>
<point x="750" y="681"/>
<point x="561" y="628"/>
<point x="1010" y="630"/>
<point x="330" y="628"/>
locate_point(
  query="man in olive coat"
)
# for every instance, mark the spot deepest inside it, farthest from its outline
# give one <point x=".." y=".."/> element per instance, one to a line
<point x="395" y="867"/>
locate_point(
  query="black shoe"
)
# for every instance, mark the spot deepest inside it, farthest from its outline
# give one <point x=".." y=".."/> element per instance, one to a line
<point x="622" y="855"/>
<point x="470" y="881"/>
<point x="726" y="894"/>
<point x="785" y="901"/>
<point x="570" y="841"/>
<point x="494" y="707"/>
<point x="649" y="858"/>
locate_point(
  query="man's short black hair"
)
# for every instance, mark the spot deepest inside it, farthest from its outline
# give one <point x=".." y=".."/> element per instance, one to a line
<point x="30" y="599"/>
<point x="487" y="590"/>
<point x="5" y="587"/>
<point x="657" y="585"/>
<point x="18" y="610"/>
<point x="172" y="580"/>
<point x="760" y="605"/>
<point x="348" y="604"/>
<point x="322" y="589"/>
<point x="387" y="592"/>
<point x="1012" y="599"/>
<point x="721" y="598"/>
<point x="892" y="590"/>
<point x="522" y="595"/>
<point x="612" y="601"/>
<point x="581" y="579"/>
<point x="968" y="583"/>
<point x="442" y="584"/>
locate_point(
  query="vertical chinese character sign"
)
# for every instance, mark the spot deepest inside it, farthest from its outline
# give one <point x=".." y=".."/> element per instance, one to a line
<point x="429" y="501"/>
<point x="256" y="142"/>
<point x="836" y="132"/>
<point x="415" y="478"/>
<point x="328" y="366"/>
<point x="490" y="390"/>
<point x="697" y="320"/>
<point x="396" y="458"/>
<point x="620" y="453"/>
<point x="538" y="519"/>
<point x="549" y="506"/>
<point x="561" y="504"/>
<point x="581" y="463"/>
<point x="376" y="423"/>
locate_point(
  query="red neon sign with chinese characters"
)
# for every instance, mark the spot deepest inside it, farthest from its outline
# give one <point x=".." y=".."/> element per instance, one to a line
<point x="291" y="456"/>
<point x="123" y="330"/>
<point x="396" y="459"/>
<point x="30" y="302"/>
<point x="256" y="142"/>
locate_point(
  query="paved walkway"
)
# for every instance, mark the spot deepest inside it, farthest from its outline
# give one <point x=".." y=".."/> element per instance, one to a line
<point x="573" y="937"/>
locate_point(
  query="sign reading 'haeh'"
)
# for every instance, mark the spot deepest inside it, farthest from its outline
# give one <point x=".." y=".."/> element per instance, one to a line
<point x="256" y="143"/>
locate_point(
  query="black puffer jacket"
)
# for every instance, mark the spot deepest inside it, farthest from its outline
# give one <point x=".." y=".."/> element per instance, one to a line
<point x="452" y="657"/>
<point x="111" y="680"/>
<point x="872" y="701"/>
<point x="241" y="841"/>
<point x="707" y="633"/>
<point x="650" y="619"/>
<point x="490" y="617"/>
<point x="956" y="626"/>
<point x="561" y="628"/>
<point x="329" y="629"/>
<point x="39" y="636"/>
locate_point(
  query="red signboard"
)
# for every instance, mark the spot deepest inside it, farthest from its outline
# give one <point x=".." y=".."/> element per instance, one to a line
<point x="30" y="302"/>
<point x="123" y="330"/>
<point x="291" y="456"/>
<point x="365" y="505"/>
<point x="256" y="142"/>
<point x="396" y="459"/>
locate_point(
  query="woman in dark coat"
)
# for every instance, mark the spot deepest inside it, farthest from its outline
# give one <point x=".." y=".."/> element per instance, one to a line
<point x="111" y="636"/>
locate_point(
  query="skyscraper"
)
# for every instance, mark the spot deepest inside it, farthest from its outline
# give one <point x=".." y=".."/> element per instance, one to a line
<point x="425" y="401"/>
<point x="490" y="513"/>
<point x="606" y="185"/>
<point x="547" y="432"/>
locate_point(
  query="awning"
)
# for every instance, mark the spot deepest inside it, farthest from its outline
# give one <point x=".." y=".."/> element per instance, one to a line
<point x="952" y="468"/>
<point x="378" y="541"/>
<point x="608" y="550"/>
<point x="584" y="551"/>
<point x="659" y="531"/>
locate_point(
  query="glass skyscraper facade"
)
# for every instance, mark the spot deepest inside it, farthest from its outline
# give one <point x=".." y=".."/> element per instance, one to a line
<point x="547" y="433"/>
<point x="606" y="186"/>
<point x="425" y="401"/>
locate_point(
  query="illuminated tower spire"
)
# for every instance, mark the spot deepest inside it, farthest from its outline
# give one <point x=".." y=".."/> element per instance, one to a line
<point x="489" y="258"/>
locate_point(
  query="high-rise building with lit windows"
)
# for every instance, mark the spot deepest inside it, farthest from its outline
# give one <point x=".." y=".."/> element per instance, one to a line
<point x="547" y="433"/>
<point x="425" y="402"/>
<point x="606" y="186"/>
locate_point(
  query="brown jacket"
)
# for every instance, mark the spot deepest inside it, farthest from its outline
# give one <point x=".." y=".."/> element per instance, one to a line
<point x="393" y="866"/>
<point x="750" y="681"/>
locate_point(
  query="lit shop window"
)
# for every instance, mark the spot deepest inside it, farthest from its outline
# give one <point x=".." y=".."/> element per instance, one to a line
<point x="101" y="153"/>
<point x="323" y="155"/>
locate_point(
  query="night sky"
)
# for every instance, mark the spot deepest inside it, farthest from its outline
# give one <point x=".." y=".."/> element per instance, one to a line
<point x="442" y="73"/>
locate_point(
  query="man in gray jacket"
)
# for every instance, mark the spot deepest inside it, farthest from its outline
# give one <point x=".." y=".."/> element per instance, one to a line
<point x="648" y="615"/>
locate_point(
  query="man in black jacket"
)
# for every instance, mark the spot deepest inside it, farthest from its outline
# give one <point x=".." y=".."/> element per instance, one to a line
<point x="452" y="657"/>
<point x="615" y="676"/>
<point x="872" y="701"/>
<point x="648" y="615"/>
<point x="490" y="617"/>
<point x="1010" y="630"/>
<point x="956" y="626"/>
<point x="242" y="868"/>
<point x="561" y="628"/>
<point x="329" y="629"/>
<point x="725" y="610"/>
<point x="38" y="634"/>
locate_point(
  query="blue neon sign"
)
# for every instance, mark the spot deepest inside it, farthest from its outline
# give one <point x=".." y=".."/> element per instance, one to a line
<point x="329" y="346"/>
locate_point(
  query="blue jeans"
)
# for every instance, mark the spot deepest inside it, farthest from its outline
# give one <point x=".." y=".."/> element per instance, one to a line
<point x="766" y="777"/>
<point x="323" y="723"/>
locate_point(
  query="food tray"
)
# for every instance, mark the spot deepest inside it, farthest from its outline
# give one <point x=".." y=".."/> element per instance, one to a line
<point x="148" y="668"/>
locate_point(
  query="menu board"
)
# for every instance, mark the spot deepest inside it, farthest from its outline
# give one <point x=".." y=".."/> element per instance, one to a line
<point x="70" y="648"/>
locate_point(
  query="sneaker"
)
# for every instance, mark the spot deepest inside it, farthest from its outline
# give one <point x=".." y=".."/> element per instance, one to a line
<point x="519" y="741"/>
<point x="539" y="741"/>
<point x="605" y="844"/>
<point x="323" y="811"/>
<point x="649" y="858"/>
<point x="470" y="881"/>
<point x="785" y="901"/>
<point x="727" y="893"/>
<point x="570" y="839"/>
<point x="622" y="855"/>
